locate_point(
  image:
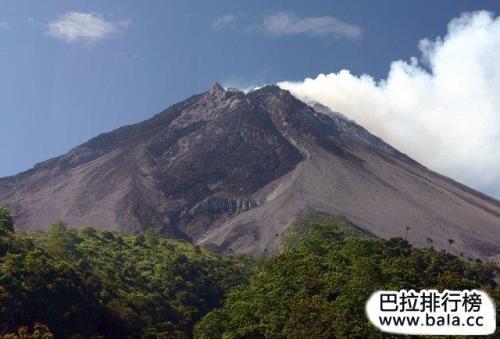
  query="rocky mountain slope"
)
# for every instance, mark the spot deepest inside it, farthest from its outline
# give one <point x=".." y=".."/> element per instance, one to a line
<point x="231" y="171"/>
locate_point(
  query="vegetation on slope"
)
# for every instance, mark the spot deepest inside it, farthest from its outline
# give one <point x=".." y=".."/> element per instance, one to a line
<point x="318" y="287"/>
<point x="91" y="282"/>
<point x="310" y="220"/>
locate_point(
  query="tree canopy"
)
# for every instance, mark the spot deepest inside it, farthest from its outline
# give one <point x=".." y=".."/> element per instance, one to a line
<point x="91" y="283"/>
<point x="318" y="286"/>
<point x="88" y="283"/>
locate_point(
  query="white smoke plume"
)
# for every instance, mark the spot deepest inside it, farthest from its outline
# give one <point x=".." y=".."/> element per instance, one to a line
<point x="442" y="109"/>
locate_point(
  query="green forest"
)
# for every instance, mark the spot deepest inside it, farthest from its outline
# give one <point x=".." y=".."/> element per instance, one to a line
<point x="88" y="283"/>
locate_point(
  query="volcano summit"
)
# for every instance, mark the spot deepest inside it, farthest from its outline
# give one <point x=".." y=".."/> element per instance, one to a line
<point x="231" y="171"/>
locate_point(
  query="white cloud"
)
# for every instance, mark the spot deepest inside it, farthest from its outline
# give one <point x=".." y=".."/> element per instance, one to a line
<point x="290" y="24"/>
<point x="445" y="115"/>
<point x="223" y="21"/>
<point x="83" y="27"/>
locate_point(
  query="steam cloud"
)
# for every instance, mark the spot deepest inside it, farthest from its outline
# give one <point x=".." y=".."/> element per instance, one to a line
<point x="442" y="109"/>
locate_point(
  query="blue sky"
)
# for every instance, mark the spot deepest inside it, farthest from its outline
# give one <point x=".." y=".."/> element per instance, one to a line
<point x="61" y="85"/>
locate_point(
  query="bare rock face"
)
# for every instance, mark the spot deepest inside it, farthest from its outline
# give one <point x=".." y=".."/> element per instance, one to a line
<point x="195" y="163"/>
<point x="231" y="170"/>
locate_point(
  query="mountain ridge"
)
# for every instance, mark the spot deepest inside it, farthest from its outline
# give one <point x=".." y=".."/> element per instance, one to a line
<point x="231" y="171"/>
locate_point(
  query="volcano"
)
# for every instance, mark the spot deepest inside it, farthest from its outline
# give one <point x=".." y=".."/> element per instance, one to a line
<point x="231" y="171"/>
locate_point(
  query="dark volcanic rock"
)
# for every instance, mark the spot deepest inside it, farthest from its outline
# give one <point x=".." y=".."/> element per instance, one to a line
<point x="231" y="170"/>
<point x="213" y="145"/>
